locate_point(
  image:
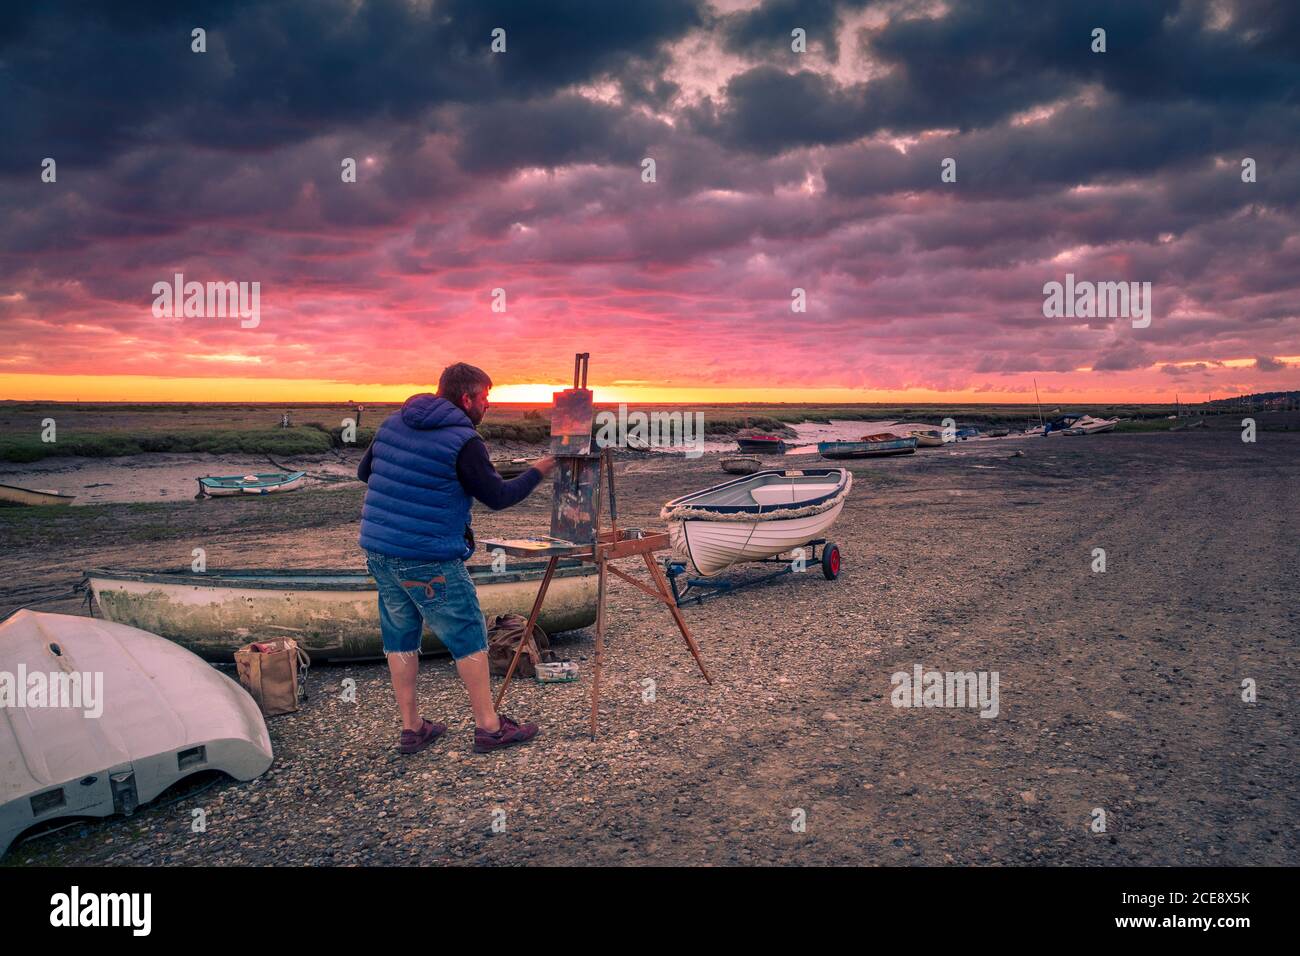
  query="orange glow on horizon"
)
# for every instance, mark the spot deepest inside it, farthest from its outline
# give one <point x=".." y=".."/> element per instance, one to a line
<point x="1054" y="388"/>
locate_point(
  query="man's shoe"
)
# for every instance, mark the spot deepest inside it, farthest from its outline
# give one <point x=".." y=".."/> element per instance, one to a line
<point x="413" y="741"/>
<point x="508" y="735"/>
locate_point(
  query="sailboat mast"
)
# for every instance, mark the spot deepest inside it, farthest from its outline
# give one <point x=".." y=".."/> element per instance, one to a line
<point x="1038" y="403"/>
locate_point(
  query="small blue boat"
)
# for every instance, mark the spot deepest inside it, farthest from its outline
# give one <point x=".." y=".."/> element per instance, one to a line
<point x="259" y="484"/>
<point x="876" y="448"/>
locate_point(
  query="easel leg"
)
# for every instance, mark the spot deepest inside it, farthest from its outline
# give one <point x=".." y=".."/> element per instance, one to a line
<point x="600" y="643"/>
<point x="528" y="632"/>
<point x="657" y="573"/>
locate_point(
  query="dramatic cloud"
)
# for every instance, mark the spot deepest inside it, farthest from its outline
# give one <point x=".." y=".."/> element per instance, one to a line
<point x="1169" y="159"/>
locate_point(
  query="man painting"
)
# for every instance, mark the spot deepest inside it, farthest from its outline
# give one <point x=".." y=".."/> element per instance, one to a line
<point x="424" y="468"/>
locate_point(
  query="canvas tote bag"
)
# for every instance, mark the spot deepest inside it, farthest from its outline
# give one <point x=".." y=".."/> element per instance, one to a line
<point x="274" y="672"/>
<point x="504" y="635"/>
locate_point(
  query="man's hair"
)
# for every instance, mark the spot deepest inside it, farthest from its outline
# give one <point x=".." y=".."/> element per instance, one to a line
<point x="460" y="379"/>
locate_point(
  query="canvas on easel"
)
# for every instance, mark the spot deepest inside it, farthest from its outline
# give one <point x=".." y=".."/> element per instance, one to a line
<point x="572" y="413"/>
<point x="576" y="499"/>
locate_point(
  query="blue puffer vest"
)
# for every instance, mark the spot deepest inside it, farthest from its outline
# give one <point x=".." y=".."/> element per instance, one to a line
<point x="415" y="506"/>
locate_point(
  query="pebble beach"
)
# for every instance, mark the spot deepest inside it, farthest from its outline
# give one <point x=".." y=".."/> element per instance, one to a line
<point x="1120" y="690"/>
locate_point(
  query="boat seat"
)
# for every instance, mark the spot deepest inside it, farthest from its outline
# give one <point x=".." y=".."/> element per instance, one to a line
<point x="778" y="494"/>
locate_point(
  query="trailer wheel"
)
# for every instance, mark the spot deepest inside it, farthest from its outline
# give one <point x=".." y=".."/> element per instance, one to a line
<point x="831" y="561"/>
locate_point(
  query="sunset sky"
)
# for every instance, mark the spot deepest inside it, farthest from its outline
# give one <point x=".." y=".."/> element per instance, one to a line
<point x="522" y="170"/>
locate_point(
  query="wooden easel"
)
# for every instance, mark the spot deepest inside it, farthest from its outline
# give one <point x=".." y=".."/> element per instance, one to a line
<point x="608" y="546"/>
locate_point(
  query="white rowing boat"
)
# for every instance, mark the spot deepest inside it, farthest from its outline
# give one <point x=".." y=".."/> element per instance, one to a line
<point x="754" y="518"/>
<point x="1087" y="425"/>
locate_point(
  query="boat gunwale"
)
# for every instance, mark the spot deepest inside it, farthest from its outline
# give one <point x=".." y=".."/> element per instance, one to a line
<point x="863" y="455"/>
<point x="280" y="579"/>
<point x="884" y="443"/>
<point x="765" y="510"/>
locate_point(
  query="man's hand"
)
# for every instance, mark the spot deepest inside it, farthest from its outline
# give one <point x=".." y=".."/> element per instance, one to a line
<point x="545" y="465"/>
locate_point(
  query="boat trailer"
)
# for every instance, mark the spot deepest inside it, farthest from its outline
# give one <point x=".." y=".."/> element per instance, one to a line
<point x="699" y="590"/>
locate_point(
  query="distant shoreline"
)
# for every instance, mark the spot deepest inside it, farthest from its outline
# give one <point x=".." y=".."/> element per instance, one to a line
<point x="110" y="430"/>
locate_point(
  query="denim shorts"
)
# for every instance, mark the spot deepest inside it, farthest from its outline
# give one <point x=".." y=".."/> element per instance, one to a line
<point x="414" y="592"/>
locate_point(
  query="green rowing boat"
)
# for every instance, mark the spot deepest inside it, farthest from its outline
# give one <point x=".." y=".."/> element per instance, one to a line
<point x="333" y="614"/>
<point x="260" y="484"/>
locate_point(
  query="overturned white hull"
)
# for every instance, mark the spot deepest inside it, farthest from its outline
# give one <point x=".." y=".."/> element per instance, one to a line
<point x="163" y="715"/>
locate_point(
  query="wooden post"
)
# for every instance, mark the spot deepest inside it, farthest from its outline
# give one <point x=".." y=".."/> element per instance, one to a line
<point x="600" y="642"/>
<point x="609" y="480"/>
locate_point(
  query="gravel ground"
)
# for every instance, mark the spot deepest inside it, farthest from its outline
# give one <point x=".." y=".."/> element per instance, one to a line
<point x="1118" y="690"/>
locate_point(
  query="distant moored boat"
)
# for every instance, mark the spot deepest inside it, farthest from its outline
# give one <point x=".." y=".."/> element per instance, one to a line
<point x="871" y="446"/>
<point x="1087" y="425"/>
<point x="260" y="484"/>
<point x="762" y="443"/>
<point x="13" y="495"/>
<point x="741" y="465"/>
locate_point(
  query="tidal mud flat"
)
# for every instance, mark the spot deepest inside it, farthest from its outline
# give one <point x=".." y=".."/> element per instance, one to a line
<point x="1119" y="691"/>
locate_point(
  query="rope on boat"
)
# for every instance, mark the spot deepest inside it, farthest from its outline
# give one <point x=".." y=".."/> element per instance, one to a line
<point x="685" y="512"/>
<point x="313" y="477"/>
<point x="79" y="590"/>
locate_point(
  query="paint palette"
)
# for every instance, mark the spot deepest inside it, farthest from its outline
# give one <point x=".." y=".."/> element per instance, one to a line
<point x="557" y="672"/>
<point x="538" y="545"/>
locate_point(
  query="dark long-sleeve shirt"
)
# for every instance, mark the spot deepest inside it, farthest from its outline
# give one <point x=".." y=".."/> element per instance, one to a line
<point x="478" y="477"/>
